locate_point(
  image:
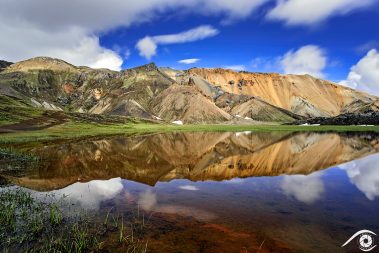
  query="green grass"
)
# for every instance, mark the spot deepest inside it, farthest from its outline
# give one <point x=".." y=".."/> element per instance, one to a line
<point x="14" y="111"/>
<point x="10" y="154"/>
<point x="12" y="115"/>
<point x="56" y="216"/>
<point x="47" y="224"/>
<point x="79" y="125"/>
<point x="14" y="162"/>
<point x="74" y="130"/>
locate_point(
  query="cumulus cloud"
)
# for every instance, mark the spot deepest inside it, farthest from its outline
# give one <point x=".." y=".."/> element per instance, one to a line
<point x="307" y="189"/>
<point x="72" y="45"/>
<point x="189" y="61"/>
<point x="365" y="74"/>
<point x="147" y="46"/>
<point x="90" y="195"/>
<point x="236" y="67"/>
<point x="309" y="12"/>
<point x="364" y="175"/>
<point x="308" y="59"/>
<point x="70" y="29"/>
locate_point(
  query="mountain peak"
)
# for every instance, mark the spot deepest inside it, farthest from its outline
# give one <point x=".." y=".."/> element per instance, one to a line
<point x="42" y="63"/>
<point x="147" y="67"/>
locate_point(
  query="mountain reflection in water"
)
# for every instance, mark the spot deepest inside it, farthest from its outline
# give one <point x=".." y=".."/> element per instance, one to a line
<point x="223" y="192"/>
<point x="195" y="156"/>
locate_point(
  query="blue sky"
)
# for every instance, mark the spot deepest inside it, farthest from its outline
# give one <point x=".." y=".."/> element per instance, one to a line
<point x="344" y="39"/>
<point x="335" y="40"/>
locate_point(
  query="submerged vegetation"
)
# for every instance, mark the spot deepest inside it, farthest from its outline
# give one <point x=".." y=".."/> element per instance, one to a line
<point x="47" y="224"/>
<point x="15" y="163"/>
<point x="10" y="154"/>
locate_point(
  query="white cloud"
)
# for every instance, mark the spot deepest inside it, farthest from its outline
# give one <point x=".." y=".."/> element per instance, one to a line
<point x="198" y="33"/>
<point x="90" y="195"/>
<point x="189" y="61"/>
<point x="234" y="10"/>
<point x="309" y="12"/>
<point x="305" y="188"/>
<point x="365" y="74"/>
<point x="72" y="45"/>
<point x="147" y="200"/>
<point x="308" y="59"/>
<point x="188" y="187"/>
<point x="236" y="67"/>
<point x="70" y="29"/>
<point x="149" y="203"/>
<point x="147" y="46"/>
<point x="364" y="175"/>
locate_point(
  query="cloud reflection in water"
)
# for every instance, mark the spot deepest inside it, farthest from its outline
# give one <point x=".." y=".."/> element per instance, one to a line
<point x="304" y="188"/>
<point x="90" y="195"/>
<point x="148" y="202"/>
<point x="364" y="174"/>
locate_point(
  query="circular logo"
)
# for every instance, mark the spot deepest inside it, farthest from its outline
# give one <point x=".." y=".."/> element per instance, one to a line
<point x="365" y="241"/>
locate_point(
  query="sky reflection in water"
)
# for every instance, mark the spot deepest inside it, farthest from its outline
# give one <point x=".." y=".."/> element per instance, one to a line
<point x="278" y="184"/>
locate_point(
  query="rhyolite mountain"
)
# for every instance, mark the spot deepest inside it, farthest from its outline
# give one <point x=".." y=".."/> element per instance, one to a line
<point x="193" y="96"/>
<point x="150" y="159"/>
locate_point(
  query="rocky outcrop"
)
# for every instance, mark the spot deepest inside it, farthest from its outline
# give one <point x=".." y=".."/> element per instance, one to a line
<point x="369" y="118"/>
<point x="187" y="104"/>
<point x="4" y="64"/>
<point x="41" y="63"/>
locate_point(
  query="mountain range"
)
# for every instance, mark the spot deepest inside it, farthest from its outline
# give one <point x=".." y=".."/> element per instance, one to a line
<point x="154" y="158"/>
<point x="196" y="95"/>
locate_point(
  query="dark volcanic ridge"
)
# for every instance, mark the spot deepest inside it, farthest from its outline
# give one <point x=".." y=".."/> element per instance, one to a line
<point x="4" y="64"/>
<point x="369" y="118"/>
<point x="191" y="96"/>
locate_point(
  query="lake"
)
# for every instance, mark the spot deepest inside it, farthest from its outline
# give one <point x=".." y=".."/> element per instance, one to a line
<point x="219" y="192"/>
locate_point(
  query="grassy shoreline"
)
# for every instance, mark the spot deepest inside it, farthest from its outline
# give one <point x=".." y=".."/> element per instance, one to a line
<point x="75" y="130"/>
<point x="32" y="222"/>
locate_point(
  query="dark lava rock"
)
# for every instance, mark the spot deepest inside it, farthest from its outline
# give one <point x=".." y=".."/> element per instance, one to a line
<point x="4" y="64"/>
<point x="369" y="118"/>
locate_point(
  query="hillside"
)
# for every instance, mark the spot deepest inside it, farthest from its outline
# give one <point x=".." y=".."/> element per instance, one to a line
<point x="300" y="94"/>
<point x="165" y="94"/>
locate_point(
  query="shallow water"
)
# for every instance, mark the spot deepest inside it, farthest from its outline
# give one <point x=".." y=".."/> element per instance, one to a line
<point x="224" y="192"/>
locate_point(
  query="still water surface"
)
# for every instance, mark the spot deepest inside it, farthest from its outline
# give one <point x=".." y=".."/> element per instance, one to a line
<point x="224" y="192"/>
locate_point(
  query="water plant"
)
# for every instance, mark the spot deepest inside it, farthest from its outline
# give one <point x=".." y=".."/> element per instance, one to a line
<point x="56" y="216"/>
<point x="35" y="223"/>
